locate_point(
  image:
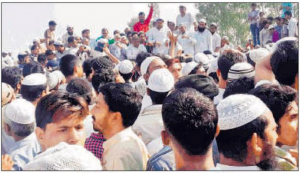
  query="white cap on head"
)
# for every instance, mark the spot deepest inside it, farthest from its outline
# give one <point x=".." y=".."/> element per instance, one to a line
<point x="36" y="40"/>
<point x="102" y="40"/>
<point x="225" y="38"/>
<point x="64" y="157"/>
<point x="7" y="93"/>
<point x="59" y="74"/>
<point x="58" y="43"/>
<point x="213" y="66"/>
<point x="271" y="27"/>
<point x="202" y="21"/>
<point x="145" y="64"/>
<point x="69" y="26"/>
<point x="53" y="80"/>
<point x="214" y="24"/>
<point x="201" y="57"/>
<point x="239" y="109"/>
<point x="242" y="69"/>
<point x="262" y="82"/>
<point x="20" y="111"/>
<point x="161" y="80"/>
<point x="188" y="68"/>
<point x="35" y="79"/>
<point x="257" y="54"/>
<point x="125" y="67"/>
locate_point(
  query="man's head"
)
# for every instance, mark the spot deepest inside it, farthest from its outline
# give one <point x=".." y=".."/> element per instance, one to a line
<point x="171" y="25"/>
<point x="201" y="25"/>
<point x="266" y="24"/>
<point x="182" y="9"/>
<point x="116" y="32"/>
<point x="135" y="41"/>
<point x="117" y="107"/>
<point x="72" y="42"/>
<point x="278" y="21"/>
<point x="142" y="17"/>
<point x="59" y="118"/>
<point x="247" y="131"/>
<point x="213" y="27"/>
<point x="52" y="24"/>
<point x="142" y="37"/>
<point x="150" y="64"/>
<point x="239" y="86"/>
<point x="104" y="32"/>
<point x="281" y="100"/>
<point x="87" y="68"/>
<point x="182" y="28"/>
<point x="8" y="94"/>
<point x="159" y="23"/>
<point x="13" y="77"/>
<point x="189" y="115"/>
<point x="81" y="87"/>
<point x="23" y="58"/>
<point x="253" y="6"/>
<point x="59" y="46"/>
<point x="42" y="59"/>
<point x="50" y="55"/>
<point x="70" y="65"/>
<point x="126" y="70"/>
<point x="127" y="30"/>
<point x="174" y="66"/>
<point x="102" y="78"/>
<point x="19" y="119"/>
<point x="139" y="60"/>
<point x="34" y="87"/>
<point x="70" y="30"/>
<point x="284" y="62"/>
<point x="35" y="50"/>
<point x="85" y="33"/>
<point x="288" y="15"/>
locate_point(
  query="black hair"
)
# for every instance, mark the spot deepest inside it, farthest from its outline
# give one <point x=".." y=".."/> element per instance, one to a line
<point x="84" y="31"/>
<point x="159" y="20"/>
<point x="188" y="115"/>
<point x="141" y="13"/>
<point x="59" y="105"/>
<point x="157" y="97"/>
<point x="100" y="79"/>
<point x="270" y="18"/>
<point x="33" y="47"/>
<point x="289" y="13"/>
<point x="195" y="69"/>
<point x="228" y="59"/>
<point x="32" y="93"/>
<point x="249" y="60"/>
<point x="127" y="76"/>
<point x="12" y="76"/>
<point x="207" y="52"/>
<point x="87" y="66"/>
<point x="276" y="97"/>
<point x="48" y="52"/>
<point x="141" y="57"/>
<point x="52" y="23"/>
<point x="124" y="99"/>
<point x="32" y="67"/>
<point x="233" y="143"/>
<point x="214" y="76"/>
<point x="67" y="64"/>
<point x="42" y="58"/>
<point x="21" y="58"/>
<point x="82" y="87"/>
<point x="115" y="31"/>
<point x="239" y="86"/>
<point x="264" y="23"/>
<point x="284" y="62"/>
<point x="71" y="39"/>
<point x="278" y="18"/>
<point x="101" y="63"/>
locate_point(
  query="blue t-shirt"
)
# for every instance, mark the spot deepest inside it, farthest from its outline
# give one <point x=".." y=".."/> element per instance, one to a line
<point x="52" y="64"/>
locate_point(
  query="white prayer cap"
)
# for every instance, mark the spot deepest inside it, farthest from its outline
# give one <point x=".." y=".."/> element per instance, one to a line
<point x="161" y="80"/>
<point x="262" y="82"/>
<point x="271" y="27"/>
<point x="102" y="40"/>
<point x="182" y="24"/>
<point x="239" y="70"/>
<point x="36" y="40"/>
<point x="64" y="157"/>
<point x="201" y="57"/>
<point x="188" y="68"/>
<point x="58" y="43"/>
<point x="35" y="79"/>
<point x="225" y="38"/>
<point x="202" y="20"/>
<point x="257" y="54"/>
<point x="59" y="74"/>
<point x="7" y="93"/>
<point x="145" y="64"/>
<point x="239" y="109"/>
<point x="213" y="66"/>
<point x="214" y="24"/>
<point x="69" y="26"/>
<point x="125" y="67"/>
<point x="53" y="80"/>
<point x="20" y="111"/>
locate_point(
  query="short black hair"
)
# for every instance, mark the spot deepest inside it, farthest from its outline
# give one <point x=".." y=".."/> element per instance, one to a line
<point x="101" y="63"/>
<point x="189" y="115"/>
<point x="12" y="76"/>
<point x="33" y="47"/>
<point x="199" y="66"/>
<point x="84" y="31"/>
<point x="32" y="67"/>
<point x="278" y="18"/>
<point x="239" y="86"/>
<point x="59" y="105"/>
<point x="207" y="52"/>
<point x="71" y="39"/>
<point x="233" y="143"/>
<point x="157" y="97"/>
<point x="124" y="99"/>
<point x="289" y="13"/>
<point x="87" y="66"/>
<point x="81" y="87"/>
<point x="67" y="64"/>
<point x="276" y="97"/>
<point x="249" y="60"/>
<point x="100" y="79"/>
<point x="159" y="20"/>
<point x="42" y="58"/>
<point x="127" y="76"/>
<point x="21" y="58"/>
<point x="264" y="23"/>
<point x="228" y="59"/>
<point x="141" y="13"/>
<point x="52" y="23"/>
<point x="284" y="62"/>
<point x="116" y="31"/>
<point x="141" y="57"/>
<point x="32" y="93"/>
<point x="48" y="52"/>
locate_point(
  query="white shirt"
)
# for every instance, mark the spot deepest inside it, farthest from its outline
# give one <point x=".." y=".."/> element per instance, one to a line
<point x="241" y="168"/>
<point x="96" y="54"/>
<point x="292" y="27"/>
<point x="254" y="14"/>
<point x="187" y="19"/>
<point x="149" y="124"/>
<point x="219" y="97"/>
<point x="204" y="41"/>
<point x="159" y="36"/>
<point x="146" y="102"/>
<point x="154" y="146"/>
<point x="132" y="51"/>
<point x="125" y="151"/>
<point x="187" y="43"/>
<point x="264" y="37"/>
<point x="216" y="41"/>
<point x="72" y="50"/>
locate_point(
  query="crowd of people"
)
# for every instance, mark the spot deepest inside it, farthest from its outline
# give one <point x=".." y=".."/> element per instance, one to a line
<point x="175" y="97"/>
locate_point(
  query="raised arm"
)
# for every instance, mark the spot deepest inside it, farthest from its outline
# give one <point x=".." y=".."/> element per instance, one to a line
<point x="149" y="17"/>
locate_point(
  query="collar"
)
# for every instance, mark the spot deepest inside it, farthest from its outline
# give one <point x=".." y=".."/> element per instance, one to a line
<point x="153" y="109"/>
<point x="227" y="167"/>
<point x="117" y="138"/>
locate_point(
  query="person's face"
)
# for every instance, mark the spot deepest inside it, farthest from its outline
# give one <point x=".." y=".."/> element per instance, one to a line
<point x="201" y="70"/>
<point x="261" y="14"/>
<point x="102" y="117"/>
<point x="136" y="42"/>
<point x="267" y="25"/>
<point x="117" y="39"/>
<point x="35" y="51"/>
<point x="52" y="27"/>
<point x="253" y="7"/>
<point x="123" y="40"/>
<point x="86" y="42"/>
<point x="26" y="59"/>
<point x="69" y="130"/>
<point x="159" y="24"/>
<point x="271" y="31"/>
<point x="171" y="26"/>
<point x="278" y="22"/>
<point x="129" y="37"/>
<point x="287" y="17"/>
<point x="50" y="57"/>
<point x="86" y="34"/>
<point x="182" y="29"/>
<point x="271" y="129"/>
<point x="202" y="24"/>
<point x="142" y="38"/>
<point x="78" y="39"/>
<point x="175" y="69"/>
<point x="127" y="30"/>
<point x="104" y="33"/>
<point x="182" y="10"/>
<point x="142" y="18"/>
<point x="74" y="44"/>
<point x="288" y="126"/>
<point x="70" y="30"/>
<point x="212" y="29"/>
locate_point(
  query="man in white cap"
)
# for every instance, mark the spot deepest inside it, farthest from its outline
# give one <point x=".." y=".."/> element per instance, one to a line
<point x="202" y="58"/>
<point x="149" y="123"/>
<point x="257" y="54"/>
<point x="203" y="37"/>
<point x="135" y="48"/>
<point x="239" y="70"/>
<point x="148" y="66"/>
<point x="34" y="87"/>
<point x="186" y="40"/>
<point x="70" y="32"/>
<point x="247" y="134"/>
<point x="225" y="44"/>
<point x="126" y="71"/>
<point x="216" y="39"/>
<point x="60" y="49"/>
<point x="187" y="69"/>
<point x="98" y="51"/>
<point x="185" y="18"/>
<point x="19" y="123"/>
<point x="7" y="61"/>
<point x="8" y="94"/>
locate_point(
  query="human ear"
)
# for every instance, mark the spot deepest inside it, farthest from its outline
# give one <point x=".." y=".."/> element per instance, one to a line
<point x="40" y="135"/>
<point x="256" y="145"/>
<point x="217" y="131"/>
<point x="7" y="129"/>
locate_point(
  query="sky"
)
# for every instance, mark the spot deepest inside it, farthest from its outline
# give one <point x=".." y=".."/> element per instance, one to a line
<point x="22" y="22"/>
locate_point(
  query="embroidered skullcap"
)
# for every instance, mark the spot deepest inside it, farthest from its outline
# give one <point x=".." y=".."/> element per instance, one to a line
<point x="239" y="70"/>
<point x="146" y="63"/>
<point x="188" y="68"/>
<point x="161" y="80"/>
<point x="201" y="57"/>
<point x="125" y="67"/>
<point x="35" y="79"/>
<point x="258" y="54"/>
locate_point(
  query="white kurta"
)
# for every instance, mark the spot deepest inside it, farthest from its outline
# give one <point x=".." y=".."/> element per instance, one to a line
<point x="187" y="19"/>
<point x="125" y="151"/>
<point x="219" y="97"/>
<point x="292" y="27"/>
<point x="204" y="41"/>
<point x="159" y="36"/>
<point x="132" y="51"/>
<point x="216" y="41"/>
<point x="187" y="43"/>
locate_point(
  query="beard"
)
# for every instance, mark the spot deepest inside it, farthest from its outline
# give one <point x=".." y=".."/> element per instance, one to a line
<point x="70" y="33"/>
<point x="200" y="29"/>
<point x="269" y="154"/>
<point x="212" y="33"/>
